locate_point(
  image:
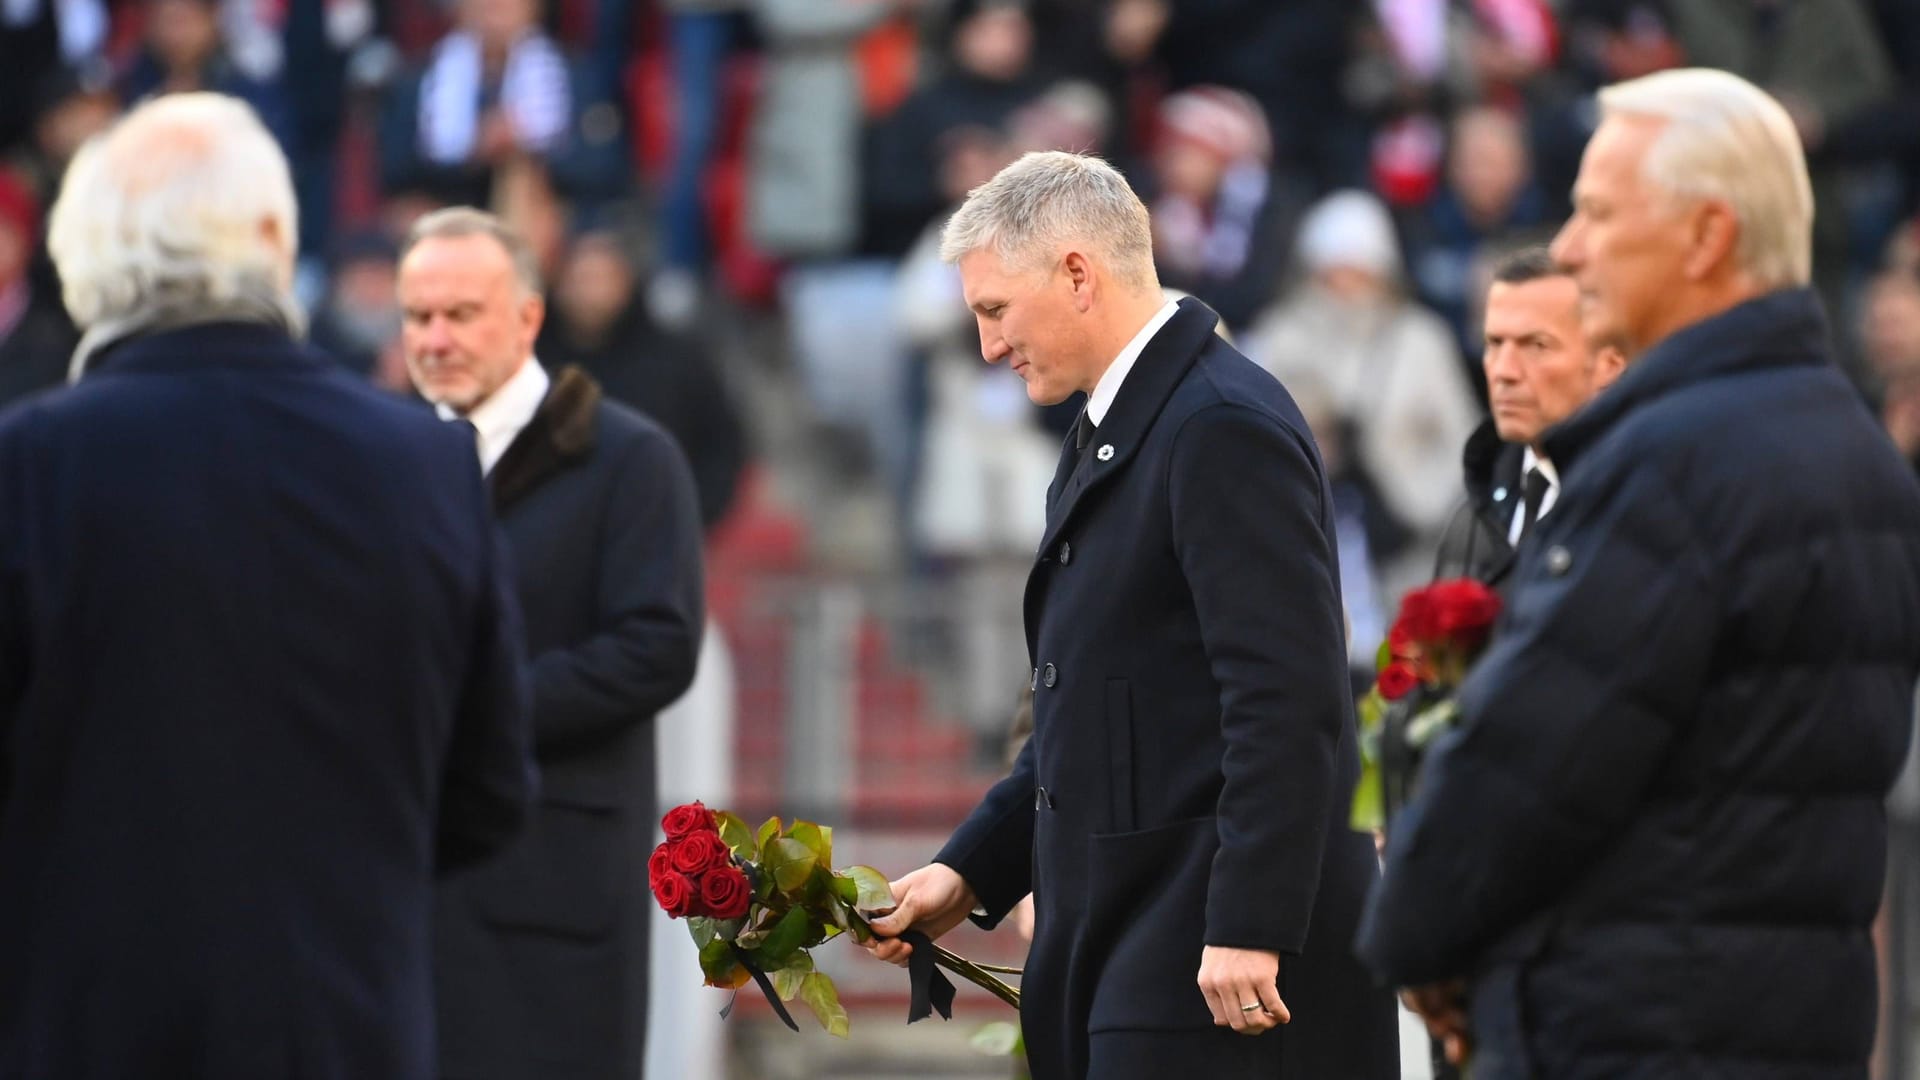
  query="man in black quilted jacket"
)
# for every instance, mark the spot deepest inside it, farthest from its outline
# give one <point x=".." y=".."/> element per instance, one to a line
<point x="1656" y="842"/>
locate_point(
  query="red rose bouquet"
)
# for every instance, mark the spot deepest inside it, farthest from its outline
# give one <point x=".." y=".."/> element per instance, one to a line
<point x="1440" y="631"/>
<point x="757" y="902"/>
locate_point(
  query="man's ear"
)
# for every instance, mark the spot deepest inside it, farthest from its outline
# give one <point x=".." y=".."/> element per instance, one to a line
<point x="533" y="312"/>
<point x="1609" y="363"/>
<point x="277" y="241"/>
<point x="1080" y="279"/>
<point x="1713" y="234"/>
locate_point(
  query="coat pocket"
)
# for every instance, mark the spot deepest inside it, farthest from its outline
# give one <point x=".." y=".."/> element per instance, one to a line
<point x="1146" y="925"/>
<point x="562" y="875"/>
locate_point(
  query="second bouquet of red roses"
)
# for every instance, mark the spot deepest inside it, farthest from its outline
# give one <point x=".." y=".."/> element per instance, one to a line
<point x="1440" y="631"/>
<point x="757" y="900"/>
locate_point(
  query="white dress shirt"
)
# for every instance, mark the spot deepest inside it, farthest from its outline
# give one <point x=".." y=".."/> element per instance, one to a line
<point x="500" y="418"/>
<point x="1108" y="387"/>
<point x="1528" y="462"/>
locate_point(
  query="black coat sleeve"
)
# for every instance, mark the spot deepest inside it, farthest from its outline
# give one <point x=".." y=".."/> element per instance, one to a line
<point x="993" y="849"/>
<point x="1250" y="532"/>
<point x="490" y="773"/>
<point x="1565" y="721"/>
<point x="650" y="604"/>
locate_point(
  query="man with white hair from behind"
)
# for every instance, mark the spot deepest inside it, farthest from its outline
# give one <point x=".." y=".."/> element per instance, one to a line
<point x="1655" y="841"/>
<point x="259" y="667"/>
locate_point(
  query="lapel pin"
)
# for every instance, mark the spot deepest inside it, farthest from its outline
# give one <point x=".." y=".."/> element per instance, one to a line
<point x="1500" y="494"/>
<point x="1559" y="560"/>
<point x="1105" y="453"/>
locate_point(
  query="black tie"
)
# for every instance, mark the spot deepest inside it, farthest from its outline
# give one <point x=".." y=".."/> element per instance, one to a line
<point x="1071" y="453"/>
<point x="1535" y="491"/>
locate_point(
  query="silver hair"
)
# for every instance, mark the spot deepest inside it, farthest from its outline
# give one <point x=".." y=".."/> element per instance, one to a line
<point x="454" y="222"/>
<point x="1726" y="139"/>
<point x="1049" y="201"/>
<point x="183" y="209"/>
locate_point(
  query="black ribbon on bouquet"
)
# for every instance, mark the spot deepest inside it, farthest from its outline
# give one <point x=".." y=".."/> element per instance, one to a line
<point x="931" y="990"/>
<point x="766" y="987"/>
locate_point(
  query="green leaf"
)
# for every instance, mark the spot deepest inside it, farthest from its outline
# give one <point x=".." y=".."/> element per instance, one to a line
<point x="703" y="929"/>
<point x="845" y="889"/>
<point x="736" y="835"/>
<point x="1367" y="813"/>
<point x="717" y="963"/>
<point x="790" y="863"/>
<point x="838" y="911"/>
<point x="768" y="830"/>
<point x="1384" y="656"/>
<point x="817" y="991"/>
<point x="996" y="1039"/>
<point x="1427" y="725"/>
<point x="786" y="981"/>
<point x="786" y="937"/>
<point x="1372" y="708"/>
<point x="875" y="894"/>
<point x="818" y="838"/>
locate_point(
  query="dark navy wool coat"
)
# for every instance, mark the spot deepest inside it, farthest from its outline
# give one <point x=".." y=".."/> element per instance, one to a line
<point x="543" y="952"/>
<point x="259" y="672"/>
<point x="1193" y="754"/>
<point x="1657" y="841"/>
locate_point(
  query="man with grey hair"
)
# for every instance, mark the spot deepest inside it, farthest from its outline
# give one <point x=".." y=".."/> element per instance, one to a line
<point x="542" y="954"/>
<point x="1655" y="842"/>
<point x="1179" y="814"/>
<point x="260" y="673"/>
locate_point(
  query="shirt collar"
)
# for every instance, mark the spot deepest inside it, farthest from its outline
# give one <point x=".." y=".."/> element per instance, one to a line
<point x="1108" y="387"/>
<point x="500" y="418"/>
<point x="1530" y="461"/>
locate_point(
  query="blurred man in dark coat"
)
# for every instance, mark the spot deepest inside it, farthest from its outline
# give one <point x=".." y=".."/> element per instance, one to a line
<point x="1657" y="839"/>
<point x="542" y="954"/>
<point x="35" y="338"/>
<point x="259" y="662"/>
<point x="1540" y="369"/>
<point x="1180" y="812"/>
<point x="599" y="322"/>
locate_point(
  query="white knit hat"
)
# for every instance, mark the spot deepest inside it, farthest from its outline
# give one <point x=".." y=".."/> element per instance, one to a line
<point x="1350" y="228"/>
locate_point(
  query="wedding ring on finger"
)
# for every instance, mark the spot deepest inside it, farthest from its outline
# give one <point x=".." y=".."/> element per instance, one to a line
<point x="1255" y="1007"/>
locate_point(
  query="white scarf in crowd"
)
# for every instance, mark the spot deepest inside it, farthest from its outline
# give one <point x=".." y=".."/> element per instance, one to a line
<point x="534" y="92"/>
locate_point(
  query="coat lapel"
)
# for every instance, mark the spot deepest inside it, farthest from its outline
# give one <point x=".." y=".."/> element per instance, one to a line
<point x="1162" y="364"/>
<point x="561" y="433"/>
<point x="1069" y="454"/>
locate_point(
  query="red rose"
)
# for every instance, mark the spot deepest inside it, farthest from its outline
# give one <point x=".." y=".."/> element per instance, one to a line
<point x="1400" y="644"/>
<point x="675" y="893"/>
<point x="1464" y="610"/>
<point x="724" y="893"/>
<point x="682" y="821"/>
<point x="699" y="852"/>
<point x="659" y="863"/>
<point x="1418" y="619"/>
<point x="1397" y="681"/>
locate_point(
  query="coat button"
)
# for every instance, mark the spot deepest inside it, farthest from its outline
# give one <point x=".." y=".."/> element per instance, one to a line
<point x="1048" y="676"/>
<point x="1066" y="553"/>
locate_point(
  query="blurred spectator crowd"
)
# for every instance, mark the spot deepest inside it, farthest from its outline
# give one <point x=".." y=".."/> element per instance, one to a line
<point x="1335" y="177"/>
